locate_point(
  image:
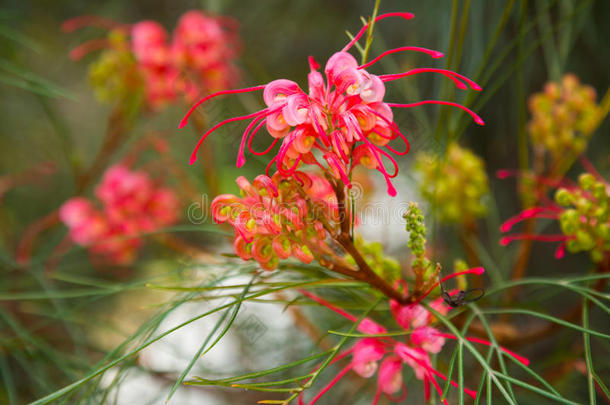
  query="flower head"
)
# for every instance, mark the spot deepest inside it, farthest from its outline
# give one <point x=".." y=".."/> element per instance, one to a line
<point x="198" y="58"/>
<point x="131" y="204"/>
<point x="387" y="357"/>
<point x="340" y="122"/>
<point x="278" y="217"/>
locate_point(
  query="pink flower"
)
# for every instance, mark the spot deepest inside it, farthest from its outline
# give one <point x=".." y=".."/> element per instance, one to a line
<point x="417" y="358"/>
<point x="205" y="46"/>
<point x="272" y="220"/>
<point x="76" y="211"/>
<point x="149" y="44"/>
<point x="368" y="352"/>
<point x="390" y="375"/>
<point x="131" y="204"/>
<point x="343" y="117"/>
<point x="428" y="339"/>
<point x="197" y="59"/>
<point x="409" y="316"/>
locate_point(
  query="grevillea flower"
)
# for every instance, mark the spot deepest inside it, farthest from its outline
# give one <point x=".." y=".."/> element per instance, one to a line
<point x="131" y="204"/>
<point x="340" y="122"/>
<point x="273" y="220"/>
<point x="583" y="213"/>
<point x="205" y="46"/>
<point x="386" y="356"/>
<point x="197" y="59"/>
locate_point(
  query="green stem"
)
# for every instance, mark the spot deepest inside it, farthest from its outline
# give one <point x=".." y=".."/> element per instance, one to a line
<point x="369" y="33"/>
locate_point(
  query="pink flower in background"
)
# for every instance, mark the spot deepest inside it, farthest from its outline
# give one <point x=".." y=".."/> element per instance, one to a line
<point x="132" y="204"/>
<point x="273" y="220"/>
<point x="205" y="46"/>
<point x="86" y="224"/>
<point x="197" y="59"/>
<point x="340" y="122"/>
<point x="154" y="60"/>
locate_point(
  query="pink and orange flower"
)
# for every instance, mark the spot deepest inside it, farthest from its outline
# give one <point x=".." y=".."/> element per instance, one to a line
<point x="273" y="220"/>
<point x="342" y="121"/>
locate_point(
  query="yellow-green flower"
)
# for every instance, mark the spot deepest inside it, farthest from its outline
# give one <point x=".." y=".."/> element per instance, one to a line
<point x="454" y="184"/>
<point x="563" y="117"/>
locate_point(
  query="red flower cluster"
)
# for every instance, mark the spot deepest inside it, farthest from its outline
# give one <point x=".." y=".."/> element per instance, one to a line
<point x="278" y="217"/>
<point x="340" y="122"/>
<point x="198" y="59"/>
<point x="131" y="204"/>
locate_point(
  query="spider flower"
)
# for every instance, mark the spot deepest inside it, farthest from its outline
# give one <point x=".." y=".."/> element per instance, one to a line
<point x="386" y="356"/>
<point x="277" y="217"/>
<point x="340" y="122"/>
<point x="197" y="59"/>
<point x="131" y="204"/>
<point x="583" y="213"/>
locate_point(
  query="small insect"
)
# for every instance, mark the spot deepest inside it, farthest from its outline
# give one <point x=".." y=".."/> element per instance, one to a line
<point x="461" y="298"/>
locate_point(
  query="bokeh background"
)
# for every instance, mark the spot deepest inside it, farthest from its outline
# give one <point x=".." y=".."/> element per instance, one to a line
<point x="55" y="329"/>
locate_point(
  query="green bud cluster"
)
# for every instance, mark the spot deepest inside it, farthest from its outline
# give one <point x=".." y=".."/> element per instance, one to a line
<point x="372" y="252"/>
<point x="425" y="272"/>
<point x="454" y="185"/>
<point x="563" y="116"/>
<point x="417" y="236"/>
<point x="586" y="217"/>
<point x="114" y="76"/>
